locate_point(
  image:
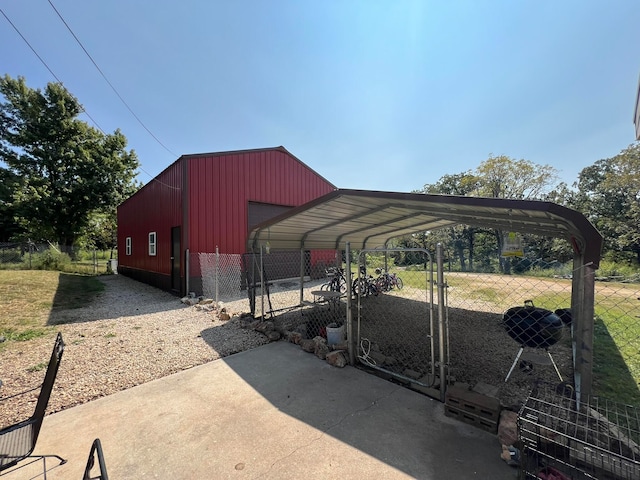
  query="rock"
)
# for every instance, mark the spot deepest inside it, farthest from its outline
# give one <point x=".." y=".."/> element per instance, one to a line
<point x="224" y="316"/>
<point x="273" y="336"/>
<point x="294" y="337"/>
<point x="206" y="301"/>
<point x="264" y="327"/>
<point x="506" y="454"/>
<point x="203" y="308"/>
<point x="337" y="358"/>
<point x="3" y="338"/>
<point x="508" y="427"/>
<point x="322" y="348"/>
<point x="308" y="345"/>
<point x="189" y="301"/>
<point x="321" y="351"/>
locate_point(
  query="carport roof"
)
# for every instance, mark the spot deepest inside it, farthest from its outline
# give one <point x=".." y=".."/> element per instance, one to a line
<point x="368" y="219"/>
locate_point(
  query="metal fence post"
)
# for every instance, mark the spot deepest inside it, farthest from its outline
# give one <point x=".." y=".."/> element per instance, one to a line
<point x="441" y="343"/>
<point x="217" y="275"/>
<point x="302" y="265"/>
<point x="350" y="337"/>
<point x="186" y="271"/>
<point x="261" y="285"/>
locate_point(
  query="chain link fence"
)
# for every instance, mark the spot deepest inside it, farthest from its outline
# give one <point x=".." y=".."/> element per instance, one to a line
<point x="263" y="284"/>
<point x="17" y="255"/>
<point x="46" y="256"/>
<point x="506" y="332"/>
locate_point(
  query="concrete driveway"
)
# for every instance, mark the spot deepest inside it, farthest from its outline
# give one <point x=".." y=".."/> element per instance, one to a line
<point x="274" y="412"/>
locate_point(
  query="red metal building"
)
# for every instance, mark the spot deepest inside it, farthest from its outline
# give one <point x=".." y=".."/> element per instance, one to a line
<point x="204" y="201"/>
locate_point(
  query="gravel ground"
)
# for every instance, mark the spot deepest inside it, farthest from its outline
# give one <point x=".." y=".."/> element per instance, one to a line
<point x="131" y="334"/>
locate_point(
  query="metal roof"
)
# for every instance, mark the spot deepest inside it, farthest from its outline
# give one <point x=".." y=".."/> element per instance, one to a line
<point x="368" y="219"/>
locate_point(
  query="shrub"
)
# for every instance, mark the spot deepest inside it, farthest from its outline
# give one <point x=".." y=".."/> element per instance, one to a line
<point x="51" y="260"/>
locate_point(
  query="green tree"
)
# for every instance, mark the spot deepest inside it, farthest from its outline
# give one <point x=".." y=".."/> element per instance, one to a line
<point x="9" y="229"/>
<point x="504" y="177"/>
<point x="609" y="194"/>
<point x="67" y="169"/>
<point x="497" y="177"/>
<point x="461" y="237"/>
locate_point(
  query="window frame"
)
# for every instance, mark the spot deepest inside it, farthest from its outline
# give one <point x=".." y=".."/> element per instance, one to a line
<point x="153" y="240"/>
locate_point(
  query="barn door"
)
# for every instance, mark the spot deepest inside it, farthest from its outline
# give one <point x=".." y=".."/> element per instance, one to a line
<point x="175" y="258"/>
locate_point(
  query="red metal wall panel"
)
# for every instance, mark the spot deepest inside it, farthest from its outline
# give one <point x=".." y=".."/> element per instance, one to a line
<point x="220" y="187"/>
<point x="207" y="196"/>
<point x="155" y="208"/>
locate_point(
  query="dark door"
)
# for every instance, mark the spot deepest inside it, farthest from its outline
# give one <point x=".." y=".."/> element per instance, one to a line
<point x="175" y="258"/>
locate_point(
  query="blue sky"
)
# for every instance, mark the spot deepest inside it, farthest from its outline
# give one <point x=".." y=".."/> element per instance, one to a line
<point x="380" y="95"/>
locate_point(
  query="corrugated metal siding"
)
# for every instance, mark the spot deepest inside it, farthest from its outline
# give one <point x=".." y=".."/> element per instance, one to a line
<point x="155" y="208"/>
<point x="221" y="186"/>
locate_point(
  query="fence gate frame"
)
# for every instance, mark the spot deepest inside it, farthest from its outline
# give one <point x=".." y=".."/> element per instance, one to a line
<point x="353" y="324"/>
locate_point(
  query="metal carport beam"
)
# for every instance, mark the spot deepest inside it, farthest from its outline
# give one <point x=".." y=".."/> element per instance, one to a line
<point x="342" y="221"/>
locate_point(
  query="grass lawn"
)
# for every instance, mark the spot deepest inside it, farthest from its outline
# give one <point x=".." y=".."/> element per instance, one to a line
<point x="27" y="298"/>
<point x="616" y="349"/>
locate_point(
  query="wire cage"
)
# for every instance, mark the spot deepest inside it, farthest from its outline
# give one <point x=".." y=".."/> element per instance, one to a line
<point x="565" y="439"/>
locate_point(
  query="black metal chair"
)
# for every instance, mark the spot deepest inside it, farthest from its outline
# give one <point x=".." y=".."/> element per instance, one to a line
<point x="18" y="441"/>
<point x="96" y="453"/>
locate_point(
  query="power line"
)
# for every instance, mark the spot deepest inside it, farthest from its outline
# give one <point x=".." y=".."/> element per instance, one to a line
<point x="107" y="80"/>
<point x="47" y="66"/>
<point x="70" y="94"/>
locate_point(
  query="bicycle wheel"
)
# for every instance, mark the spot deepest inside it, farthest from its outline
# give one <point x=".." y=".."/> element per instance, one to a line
<point x="359" y="287"/>
<point x="399" y="283"/>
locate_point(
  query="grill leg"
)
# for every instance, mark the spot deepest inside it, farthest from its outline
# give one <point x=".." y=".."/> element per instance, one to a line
<point x="554" y="366"/>
<point x="514" y="364"/>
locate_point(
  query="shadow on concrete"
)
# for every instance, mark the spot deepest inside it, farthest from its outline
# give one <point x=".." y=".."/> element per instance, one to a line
<point x="401" y="428"/>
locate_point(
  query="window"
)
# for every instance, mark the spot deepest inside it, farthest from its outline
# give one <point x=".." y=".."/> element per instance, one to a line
<point x="152" y="244"/>
<point x="127" y="246"/>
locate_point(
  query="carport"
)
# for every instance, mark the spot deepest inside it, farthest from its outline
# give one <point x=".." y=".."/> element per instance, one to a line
<point x="360" y="219"/>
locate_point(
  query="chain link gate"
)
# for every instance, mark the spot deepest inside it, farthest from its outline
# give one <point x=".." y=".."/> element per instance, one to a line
<point x="396" y="330"/>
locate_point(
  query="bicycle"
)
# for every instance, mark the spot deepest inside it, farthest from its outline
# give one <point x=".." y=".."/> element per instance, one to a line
<point x="337" y="281"/>
<point x="388" y="281"/>
<point x="365" y="285"/>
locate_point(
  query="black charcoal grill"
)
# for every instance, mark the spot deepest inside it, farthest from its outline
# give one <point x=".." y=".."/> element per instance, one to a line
<point x="533" y="327"/>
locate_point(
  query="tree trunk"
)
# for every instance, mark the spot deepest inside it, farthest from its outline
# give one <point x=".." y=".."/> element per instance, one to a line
<point x="460" y="252"/>
<point x="505" y="265"/>
<point x="471" y="235"/>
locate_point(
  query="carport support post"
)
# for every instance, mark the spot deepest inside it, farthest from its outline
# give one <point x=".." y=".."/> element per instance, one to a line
<point x="441" y="342"/>
<point x="350" y="338"/>
<point x="302" y="265"/>
<point x="261" y="286"/>
<point x="582" y="310"/>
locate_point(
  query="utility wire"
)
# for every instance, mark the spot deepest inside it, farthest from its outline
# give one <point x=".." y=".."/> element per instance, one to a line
<point x="83" y="109"/>
<point x="47" y="66"/>
<point x="107" y="80"/>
